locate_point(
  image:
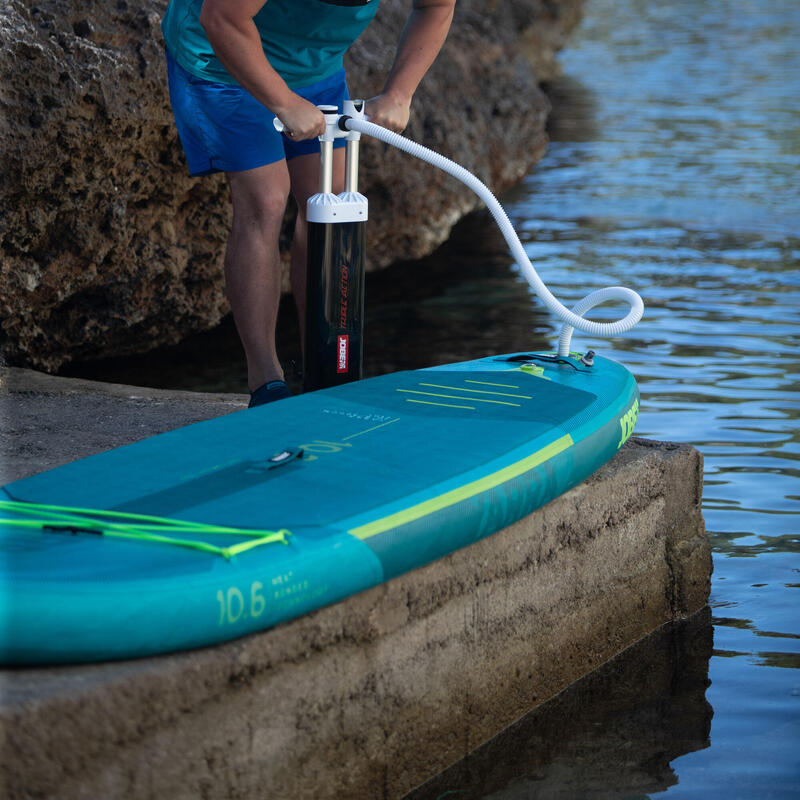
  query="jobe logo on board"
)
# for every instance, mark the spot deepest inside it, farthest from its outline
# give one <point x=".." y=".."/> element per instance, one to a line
<point x="343" y="342"/>
<point x="627" y="422"/>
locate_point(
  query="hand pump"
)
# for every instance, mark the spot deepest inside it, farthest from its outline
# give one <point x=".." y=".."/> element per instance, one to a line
<point x="334" y="328"/>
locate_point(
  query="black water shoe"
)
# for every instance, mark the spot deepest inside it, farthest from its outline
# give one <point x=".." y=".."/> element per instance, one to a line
<point x="269" y="393"/>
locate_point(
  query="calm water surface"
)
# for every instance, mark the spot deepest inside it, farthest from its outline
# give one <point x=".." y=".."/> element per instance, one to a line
<point x="673" y="170"/>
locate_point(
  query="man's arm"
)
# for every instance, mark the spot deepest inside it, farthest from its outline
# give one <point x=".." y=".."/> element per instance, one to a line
<point x="420" y="43"/>
<point x="233" y="35"/>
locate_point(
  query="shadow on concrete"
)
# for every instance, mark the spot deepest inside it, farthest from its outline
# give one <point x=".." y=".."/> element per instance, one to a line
<point x="611" y="734"/>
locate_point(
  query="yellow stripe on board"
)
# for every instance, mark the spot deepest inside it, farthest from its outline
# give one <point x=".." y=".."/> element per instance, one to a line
<point x="488" y="383"/>
<point x="463" y="492"/>
<point x="477" y="391"/>
<point x="456" y="397"/>
<point x="444" y="405"/>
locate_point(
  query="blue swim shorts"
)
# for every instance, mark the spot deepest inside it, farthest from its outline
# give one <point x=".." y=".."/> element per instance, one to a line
<point x="223" y="128"/>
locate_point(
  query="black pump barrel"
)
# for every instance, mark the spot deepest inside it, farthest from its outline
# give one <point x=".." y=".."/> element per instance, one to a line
<point x="334" y="334"/>
<point x="334" y="326"/>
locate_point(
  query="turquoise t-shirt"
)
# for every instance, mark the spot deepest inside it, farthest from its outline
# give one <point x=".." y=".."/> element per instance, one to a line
<point x="304" y="40"/>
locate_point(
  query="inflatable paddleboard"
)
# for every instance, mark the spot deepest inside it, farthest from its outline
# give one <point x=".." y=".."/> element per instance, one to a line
<point x="231" y="526"/>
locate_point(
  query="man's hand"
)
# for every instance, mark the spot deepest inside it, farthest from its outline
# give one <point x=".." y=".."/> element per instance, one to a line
<point x="301" y="120"/>
<point x="389" y="111"/>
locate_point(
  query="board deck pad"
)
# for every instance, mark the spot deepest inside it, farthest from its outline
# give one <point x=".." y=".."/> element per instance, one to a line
<point x="370" y="479"/>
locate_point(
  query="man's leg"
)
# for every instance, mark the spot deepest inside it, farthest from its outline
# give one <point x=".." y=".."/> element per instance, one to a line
<point x="252" y="265"/>
<point x="304" y="171"/>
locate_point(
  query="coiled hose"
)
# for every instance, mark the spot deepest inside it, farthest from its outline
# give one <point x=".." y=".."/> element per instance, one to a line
<point x="572" y="319"/>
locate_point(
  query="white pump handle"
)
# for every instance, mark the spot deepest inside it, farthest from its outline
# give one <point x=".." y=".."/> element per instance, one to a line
<point x="332" y="130"/>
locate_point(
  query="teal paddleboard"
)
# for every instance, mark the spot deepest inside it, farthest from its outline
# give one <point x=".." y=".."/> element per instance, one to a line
<point x="233" y="525"/>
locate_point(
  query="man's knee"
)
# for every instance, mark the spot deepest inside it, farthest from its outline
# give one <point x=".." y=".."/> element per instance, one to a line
<point x="259" y="197"/>
<point x="261" y="206"/>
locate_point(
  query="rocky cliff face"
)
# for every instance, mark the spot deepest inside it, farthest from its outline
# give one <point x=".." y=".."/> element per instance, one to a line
<point x="109" y="248"/>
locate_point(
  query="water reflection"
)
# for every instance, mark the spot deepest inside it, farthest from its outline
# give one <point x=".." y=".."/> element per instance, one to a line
<point x="611" y="734"/>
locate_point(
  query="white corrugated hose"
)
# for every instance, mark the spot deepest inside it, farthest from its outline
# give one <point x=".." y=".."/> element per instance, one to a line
<point x="572" y="319"/>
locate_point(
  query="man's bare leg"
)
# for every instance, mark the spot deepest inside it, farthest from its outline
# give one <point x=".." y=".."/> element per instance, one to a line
<point x="253" y="267"/>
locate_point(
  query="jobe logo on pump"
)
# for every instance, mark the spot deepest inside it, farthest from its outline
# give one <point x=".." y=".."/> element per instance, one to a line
<point x="343" y="342"/>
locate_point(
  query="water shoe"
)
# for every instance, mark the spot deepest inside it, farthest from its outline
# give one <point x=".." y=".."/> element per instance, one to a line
<point x="268" y="393"/>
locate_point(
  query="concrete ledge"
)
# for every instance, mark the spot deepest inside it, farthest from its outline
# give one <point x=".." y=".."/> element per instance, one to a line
<point x="49" y="421"/>
<point x="613" y="734"/>
<point x="373" y="695"/>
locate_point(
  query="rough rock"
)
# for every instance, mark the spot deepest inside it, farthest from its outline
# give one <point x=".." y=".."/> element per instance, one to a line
<point x="107" y="247"/>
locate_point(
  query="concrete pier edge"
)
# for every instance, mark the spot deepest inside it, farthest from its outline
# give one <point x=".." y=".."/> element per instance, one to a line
<point x="373" y="695"/>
